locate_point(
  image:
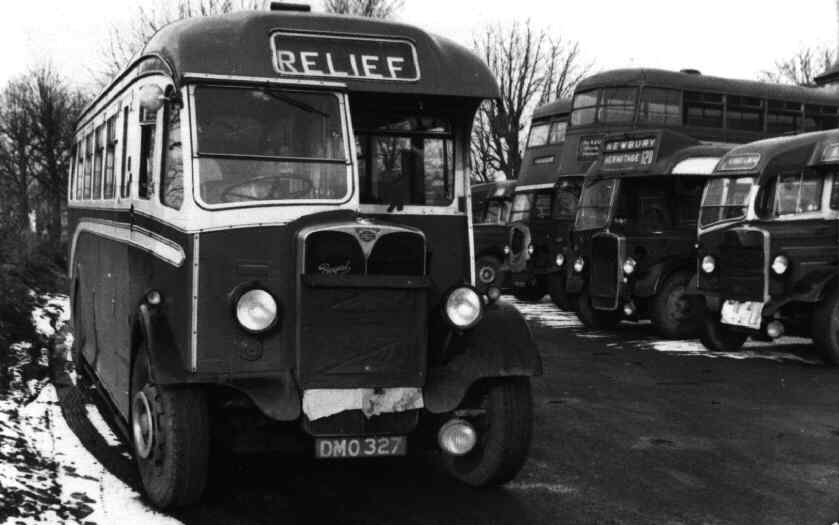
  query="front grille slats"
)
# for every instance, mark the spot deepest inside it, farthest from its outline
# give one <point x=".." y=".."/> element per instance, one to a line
<point x="742" y="265"/>
<point x="603" y="279"/>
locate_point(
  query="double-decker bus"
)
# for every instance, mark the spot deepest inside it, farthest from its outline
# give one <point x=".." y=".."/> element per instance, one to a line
<point x="635" y="231"/>
<point x="531" y="227"/>
<point x="768" y="256"/>
<point x="491" y="203"/>
<point x="270" y="233"/>
<point x="703" y="107"/>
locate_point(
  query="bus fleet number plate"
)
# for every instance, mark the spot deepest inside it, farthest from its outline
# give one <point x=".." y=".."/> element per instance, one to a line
<point x="361" y="447"/>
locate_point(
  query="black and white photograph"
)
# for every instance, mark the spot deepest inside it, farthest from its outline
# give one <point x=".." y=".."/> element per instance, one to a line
<point x="419" y="262"/>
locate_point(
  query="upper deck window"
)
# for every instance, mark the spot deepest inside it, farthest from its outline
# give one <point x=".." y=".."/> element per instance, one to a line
<point x="405" y="159"/>
<point x="703" y="109"/>
<point x="744" y="113"/>
<point x="263" y="144"/>
<point x="539" y="133"/>
<point x="782" y="116"/>
<point x="617" y="105"/>
<point x="820" y="117"/>
<point x="660" y="106"/>
<point x="585" y="108"/>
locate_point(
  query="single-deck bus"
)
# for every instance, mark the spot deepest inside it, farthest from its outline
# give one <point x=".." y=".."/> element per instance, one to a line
<point x="270" y="231"/>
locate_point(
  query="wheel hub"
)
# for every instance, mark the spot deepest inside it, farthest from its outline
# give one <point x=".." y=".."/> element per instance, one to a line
<point x="142" y="424"/>
<point x="487" y="274"/>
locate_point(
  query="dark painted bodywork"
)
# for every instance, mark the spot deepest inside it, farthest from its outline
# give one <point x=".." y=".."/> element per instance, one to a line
<point x="744" y="249"/>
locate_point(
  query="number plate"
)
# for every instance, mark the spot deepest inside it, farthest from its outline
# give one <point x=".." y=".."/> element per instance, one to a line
<point x="748" y="313"/>
<point x="361" y="447"/>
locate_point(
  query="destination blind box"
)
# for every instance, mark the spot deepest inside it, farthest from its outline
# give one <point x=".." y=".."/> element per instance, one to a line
<point x="344" y="57"/>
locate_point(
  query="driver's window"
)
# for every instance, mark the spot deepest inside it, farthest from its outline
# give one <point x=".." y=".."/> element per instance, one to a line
<point x="172" y="174"/>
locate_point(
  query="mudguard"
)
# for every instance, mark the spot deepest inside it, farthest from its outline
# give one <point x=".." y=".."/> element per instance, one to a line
<point x="574" y="282"/>
<point x="649" y="285"/>
<point x="276" y="396"/>
<point x="500" y="345"/>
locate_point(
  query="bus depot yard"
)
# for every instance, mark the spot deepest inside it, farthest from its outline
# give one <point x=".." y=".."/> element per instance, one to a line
<point x="628" y="428"/>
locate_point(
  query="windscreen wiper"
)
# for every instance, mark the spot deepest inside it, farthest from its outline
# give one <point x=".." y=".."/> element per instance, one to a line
<point x="294" y="102"/>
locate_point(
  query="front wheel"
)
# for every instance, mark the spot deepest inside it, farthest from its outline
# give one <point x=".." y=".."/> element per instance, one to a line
<point x="171" y="437"/>
<point x="559" y="295"/>
<point x="676" y="314"/>
<point x="593" y="318"/>
<point x="718" y="337"/>
<point x="825" y="326"/>
<point x="504" y="427"/>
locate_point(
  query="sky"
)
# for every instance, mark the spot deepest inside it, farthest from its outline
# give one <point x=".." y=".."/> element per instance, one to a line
<point x="733" y="38"/>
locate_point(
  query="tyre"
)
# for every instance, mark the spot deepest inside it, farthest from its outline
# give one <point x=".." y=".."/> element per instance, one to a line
<point x="825" y="326"/>
<point x="556" y="289"/>
<point x="676" y="314"/>
<point x="531" y="293"/>
<point x="592" y="318"/>
<point x="171" y="437"/>
<point x="504" y="429"/>
<point x="488" y="272"/>
<point x="717" y="337"/>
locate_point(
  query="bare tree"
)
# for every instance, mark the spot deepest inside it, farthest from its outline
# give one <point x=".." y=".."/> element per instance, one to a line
<point x="53" y="108"/>
<point x="531" y="68"/>
<point x="801" y="68"/>
<point x="124" y="43"/>
<point x="368" y="8"/>
<point x="16" y="152"/>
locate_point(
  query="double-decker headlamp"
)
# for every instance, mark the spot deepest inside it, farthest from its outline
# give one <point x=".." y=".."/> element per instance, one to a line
<point x="256" y="310"/>
<point x="560" y="260"/>
<point x="579" y="264"/>
<point x="780" y="264"/>
<point x="629" y="266"/>
<point x="708" y="264"/>
<point x="463" y="307"/>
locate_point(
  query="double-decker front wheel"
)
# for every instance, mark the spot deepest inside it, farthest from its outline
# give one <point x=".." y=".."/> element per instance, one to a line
<point x="825" y="326"/>
<point x="488" y="272"/>
<point x="501" y="411"/>
<point x="676" y="314"/>
<point x="560" y="296"/>
<point x="170" y="432"/>
<point x="717" y="336"/>
<point x="594" y="318"/>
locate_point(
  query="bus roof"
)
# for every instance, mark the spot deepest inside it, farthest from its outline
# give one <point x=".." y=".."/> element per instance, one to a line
<point x="561" y="106"/>
<point x="699" y="82"/>
<point x="656" y="152"/>
<point x="767" y="157"/>
<point x="244" y="46"/>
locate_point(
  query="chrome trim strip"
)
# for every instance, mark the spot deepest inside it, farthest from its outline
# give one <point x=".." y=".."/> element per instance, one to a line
<point x="273" y="80"/>
<point x="165" y="249"/>
<point x="193" y="347"/>
<point x="535" y="187"/>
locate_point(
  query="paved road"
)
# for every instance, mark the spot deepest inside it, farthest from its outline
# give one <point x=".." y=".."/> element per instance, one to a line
<point x="629" y="429"/>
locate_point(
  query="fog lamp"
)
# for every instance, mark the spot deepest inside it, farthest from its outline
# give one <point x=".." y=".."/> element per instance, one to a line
<point x="780" y="264"/>
<point x="506" y="249"/>
<point x="493" y="293"/>
<point x="560" y="259"/>
<point x="457" y="437"/>
<point x="775" y="329"/>
<point x="579" y="264"/>
<point x="256" y="310"/>
<point x="153" y="297"/>
<point x="709" y="264"/>
<point x="629" y="309"/>
<point x="530" y="249"/>
<point x="464" y="307"/>
<point x="629" y="266"/>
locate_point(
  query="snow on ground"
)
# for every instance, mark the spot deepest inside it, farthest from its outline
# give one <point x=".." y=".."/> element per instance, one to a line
<point x="546" y="314"/>
<point x="53" y="441"/>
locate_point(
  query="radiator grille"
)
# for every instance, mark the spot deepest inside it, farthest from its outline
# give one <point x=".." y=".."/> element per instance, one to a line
<point x="603" y="278"/>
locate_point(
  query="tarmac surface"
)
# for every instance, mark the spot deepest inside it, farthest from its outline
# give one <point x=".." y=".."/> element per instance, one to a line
<point x="628" y="429"/>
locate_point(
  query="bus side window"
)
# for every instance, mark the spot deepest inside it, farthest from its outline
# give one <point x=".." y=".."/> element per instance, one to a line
<point x="79" y="169"/>
<point x="73" y="171"/>
<point x="88" y="165"/>
<point x="172" y="174"/>
<point x="99" y="135"/>
<point x="110" y="151"/>
<point x="125" y="167"/>
<point x="148" y="132"/>
<point x="834" y="192"/>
